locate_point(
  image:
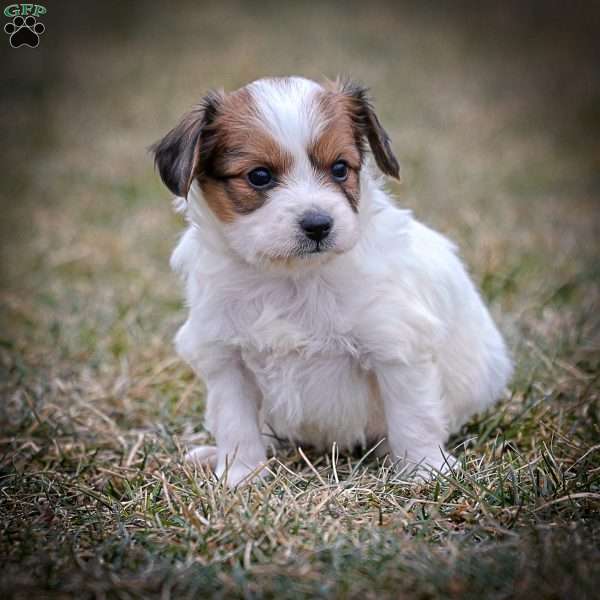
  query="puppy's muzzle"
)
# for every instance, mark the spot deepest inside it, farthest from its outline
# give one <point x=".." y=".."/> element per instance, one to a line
<point x="316" y="225"/>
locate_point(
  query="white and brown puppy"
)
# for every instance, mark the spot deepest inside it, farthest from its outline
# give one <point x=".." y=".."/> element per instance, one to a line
<point x="318" y="311"/>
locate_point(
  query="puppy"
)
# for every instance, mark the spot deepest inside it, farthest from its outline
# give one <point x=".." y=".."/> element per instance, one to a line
<point x="318" y="311"/>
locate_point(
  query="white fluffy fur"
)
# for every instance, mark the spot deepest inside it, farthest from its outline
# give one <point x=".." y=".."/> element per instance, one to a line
<point x="382" y="337"/>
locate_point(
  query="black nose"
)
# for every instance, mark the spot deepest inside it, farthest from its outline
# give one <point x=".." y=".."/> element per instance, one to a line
<point x="316" y="225"/>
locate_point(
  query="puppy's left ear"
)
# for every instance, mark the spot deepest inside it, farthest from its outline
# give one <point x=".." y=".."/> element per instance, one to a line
<point x="179" y="154"/>
<point x="369" y="126"/>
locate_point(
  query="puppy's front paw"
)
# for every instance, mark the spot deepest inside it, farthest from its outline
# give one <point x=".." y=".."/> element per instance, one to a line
<point x="203" y="455"/>
<point x="235" y="472"/>
<point x="431" y="466"/>
<point x="240" y="473"/>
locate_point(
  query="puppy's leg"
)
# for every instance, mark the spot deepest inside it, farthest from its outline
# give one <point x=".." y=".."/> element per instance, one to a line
<point x="232" y="410"/>
<point x="414" y="412"/>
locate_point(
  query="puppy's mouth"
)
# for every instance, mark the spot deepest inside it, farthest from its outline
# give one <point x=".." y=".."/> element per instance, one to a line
<point x="307" y="248"/>
<point x="304" y="250"/>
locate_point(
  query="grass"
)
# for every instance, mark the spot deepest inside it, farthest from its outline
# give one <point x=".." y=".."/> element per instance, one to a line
<point x="498" y="151"/>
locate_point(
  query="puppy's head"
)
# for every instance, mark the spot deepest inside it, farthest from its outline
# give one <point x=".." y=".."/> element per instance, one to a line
<point x="279" y="164"/>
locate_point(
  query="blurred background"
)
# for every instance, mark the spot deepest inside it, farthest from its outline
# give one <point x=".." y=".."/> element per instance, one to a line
<point x="494" y="113"/>
<point x="493" y="108"/>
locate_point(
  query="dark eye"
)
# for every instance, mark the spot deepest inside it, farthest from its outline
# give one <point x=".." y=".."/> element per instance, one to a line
<point x="260" y="177"/>
<point x="339" y="170"/>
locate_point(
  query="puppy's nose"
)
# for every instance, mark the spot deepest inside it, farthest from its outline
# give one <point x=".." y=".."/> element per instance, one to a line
<point x="316" y="225"/>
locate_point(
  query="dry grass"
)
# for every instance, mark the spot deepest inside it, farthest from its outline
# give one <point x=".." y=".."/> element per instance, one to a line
<point x="498" y="150"/>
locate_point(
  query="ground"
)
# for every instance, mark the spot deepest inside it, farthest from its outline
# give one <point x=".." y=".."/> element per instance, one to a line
<point x="494" y="115"/>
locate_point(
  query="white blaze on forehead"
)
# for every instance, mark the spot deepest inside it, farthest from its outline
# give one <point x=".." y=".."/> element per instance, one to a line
<point x="288" y="111"/>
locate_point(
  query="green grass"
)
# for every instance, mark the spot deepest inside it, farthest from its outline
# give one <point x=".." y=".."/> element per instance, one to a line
<point x="498" y="151"/>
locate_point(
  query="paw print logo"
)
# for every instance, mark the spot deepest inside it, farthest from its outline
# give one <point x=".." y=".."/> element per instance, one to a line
<point x="24" y="31"/>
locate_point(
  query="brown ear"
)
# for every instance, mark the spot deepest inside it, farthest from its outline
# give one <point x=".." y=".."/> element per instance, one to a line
<point x="369" y="126"/>
<point x="178" y="155"/>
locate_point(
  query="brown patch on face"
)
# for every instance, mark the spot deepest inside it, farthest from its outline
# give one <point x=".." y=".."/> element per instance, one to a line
<point x="351" y="189"/>
<point x="231" y="196"/>
<point x="233" y="145"/>
<point x="218" y="200"/>
<point x="338" y="142"/>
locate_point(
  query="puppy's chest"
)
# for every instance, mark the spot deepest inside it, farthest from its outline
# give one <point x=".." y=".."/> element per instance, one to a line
<point x="311" y="370"/>
<point x="285" y="329"/>
<point x="295" y="367"/>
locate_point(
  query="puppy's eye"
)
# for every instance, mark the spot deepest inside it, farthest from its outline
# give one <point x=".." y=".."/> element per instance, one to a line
<point x="339" y="170"/>
<point x="260" y="177"/>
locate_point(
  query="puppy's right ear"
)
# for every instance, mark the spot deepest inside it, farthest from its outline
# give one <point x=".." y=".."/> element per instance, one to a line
<point x="178" y="155"/>
<point x="368" y="125"/>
